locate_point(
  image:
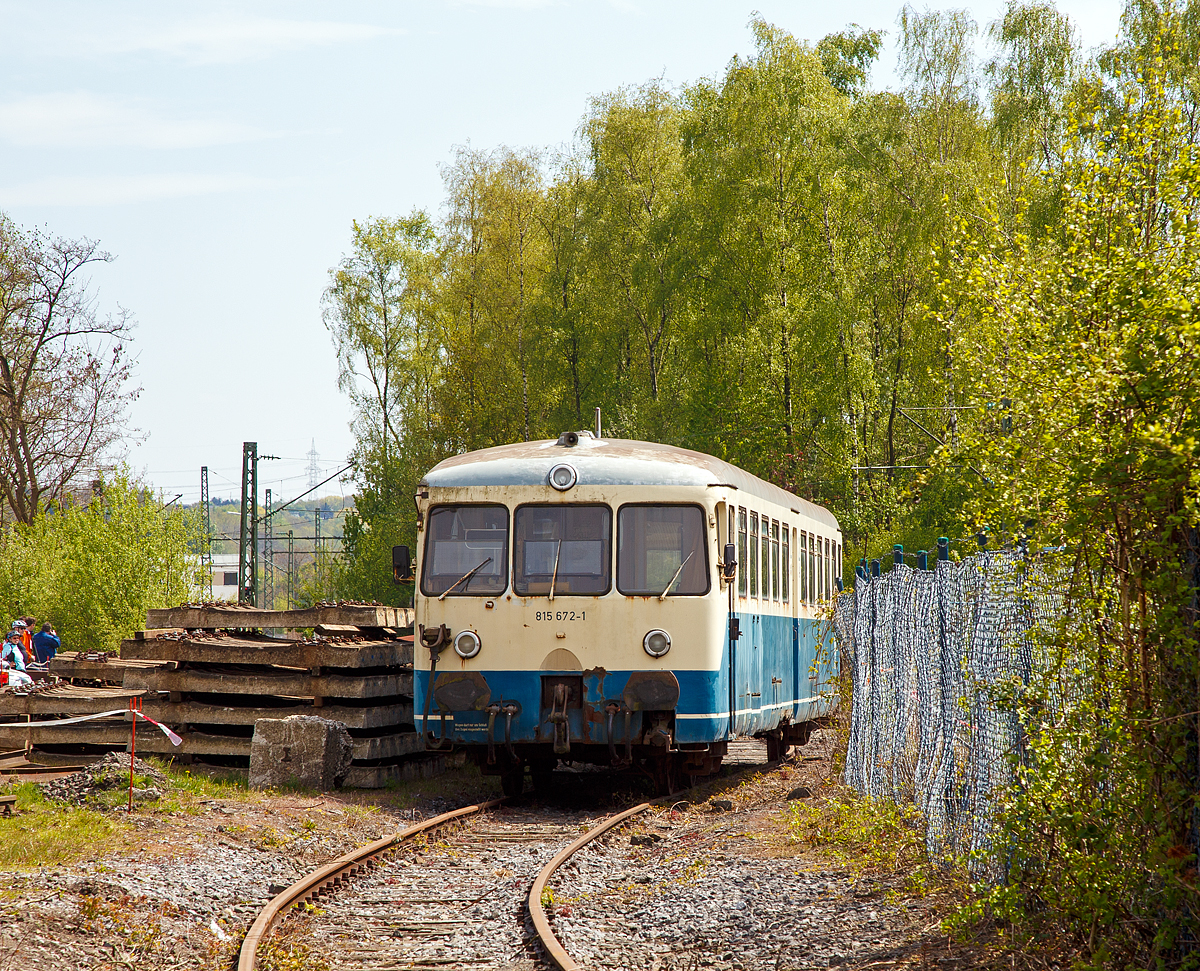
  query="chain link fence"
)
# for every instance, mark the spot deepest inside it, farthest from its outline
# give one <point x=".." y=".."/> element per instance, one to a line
<point x="929" y="653"/>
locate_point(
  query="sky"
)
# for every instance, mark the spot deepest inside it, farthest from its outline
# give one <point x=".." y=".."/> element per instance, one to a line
<point x="220" y="151"/>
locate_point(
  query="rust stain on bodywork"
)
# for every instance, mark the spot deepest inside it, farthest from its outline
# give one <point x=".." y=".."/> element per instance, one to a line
<point x="598" y="674"/>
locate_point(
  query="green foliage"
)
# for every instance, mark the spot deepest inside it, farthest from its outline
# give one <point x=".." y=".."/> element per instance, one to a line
<point x="847" y="56"/>
<point x="868" y="836"/>
<point x="1080" y="347"/>
<point x="93" y="569"/>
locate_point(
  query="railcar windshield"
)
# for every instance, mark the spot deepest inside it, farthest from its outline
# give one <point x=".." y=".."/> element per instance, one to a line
<point x="568" y="548"/>
<point x="658" y="542"/>
<point x="462" y="539"/>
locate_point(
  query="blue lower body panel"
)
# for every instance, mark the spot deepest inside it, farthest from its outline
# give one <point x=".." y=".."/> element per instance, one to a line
<point x="776" y="680"/>
<point x="701" y="713"/>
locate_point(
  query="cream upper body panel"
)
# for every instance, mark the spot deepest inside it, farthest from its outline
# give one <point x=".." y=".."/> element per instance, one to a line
<point x="615" y="462"/>
<point x="606" y="630"/>
<point x="603" y="630"/>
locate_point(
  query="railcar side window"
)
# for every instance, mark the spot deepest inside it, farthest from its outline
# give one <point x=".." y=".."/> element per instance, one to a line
<point x="462" y="539"/>
<point x="828" y="572"/>
<point x="774" y="560"/>
<point x="802" y="559"/>
<point x="661" y="547"/>
<point x="753" y="558"/>
<point x="787" y="563"/>
<point x="813" y="569"/>
<point x="820" y="572"/>
<point x="766" y="558"/>
<point x="743" y="562"/>
<point x="567" y="546"/>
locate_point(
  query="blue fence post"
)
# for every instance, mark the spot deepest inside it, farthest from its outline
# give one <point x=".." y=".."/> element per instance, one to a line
<point x="922" y="560"/>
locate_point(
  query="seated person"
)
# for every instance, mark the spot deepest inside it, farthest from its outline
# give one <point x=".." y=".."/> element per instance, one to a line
<point x="46" y="643"/>
<point x="22" y="631"/>
<point x="12" y="661"/>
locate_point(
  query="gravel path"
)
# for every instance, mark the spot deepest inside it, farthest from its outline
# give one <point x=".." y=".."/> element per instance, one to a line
<point x="680" y="907"/>
<point x="458" y="903"/>
<point x="713" y="883"/>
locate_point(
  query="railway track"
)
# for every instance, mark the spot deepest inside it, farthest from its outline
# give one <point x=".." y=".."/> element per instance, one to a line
<point x="429" y="897"/>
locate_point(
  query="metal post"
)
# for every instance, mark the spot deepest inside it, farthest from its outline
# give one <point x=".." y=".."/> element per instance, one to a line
<point x="248" y="537"/>
<point x="318" y="549"/>
<point x="943" y="548"/>
<point x="206" y="562"/>
<point x="268" y="585"/>
<point x="599" y="427"/>
<point x="291" y="566"/>
<point x="897" y="554"/>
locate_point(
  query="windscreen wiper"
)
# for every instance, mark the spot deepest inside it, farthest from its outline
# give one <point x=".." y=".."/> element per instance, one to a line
<point x="465" y="576"/>
<point x="554" y="578"/>
<point x="671" y="582"/>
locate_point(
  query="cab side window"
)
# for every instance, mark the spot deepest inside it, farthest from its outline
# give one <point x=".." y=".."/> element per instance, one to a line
<point x="661" y="549"/>
<point x="787" y="564"/>
<point x="753" y="558"/>
<point x="743" y="561"/>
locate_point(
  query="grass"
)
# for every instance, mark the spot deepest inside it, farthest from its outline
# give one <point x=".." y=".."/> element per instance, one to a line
<point x="46" y="834"/>
<point x="868" y="836"/>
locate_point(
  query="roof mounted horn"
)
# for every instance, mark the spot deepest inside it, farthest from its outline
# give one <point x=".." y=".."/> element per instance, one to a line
<point x="571" y="439"/>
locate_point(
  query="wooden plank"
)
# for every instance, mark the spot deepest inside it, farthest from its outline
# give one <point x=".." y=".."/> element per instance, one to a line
<point x="352" y="716"/>
<point x="246" y="650"/>
<point x="388" y="746"/>
<point x="115" y="734"/>
<point x="67" y="699"/>
<point x="69" y="664"/>
<point x="279" y="681"/>
<point x="378" y="776"/>
<point x="143" y="635"/>
<point x="353" y="615"/>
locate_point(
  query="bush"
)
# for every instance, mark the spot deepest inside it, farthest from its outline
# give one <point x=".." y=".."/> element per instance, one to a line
<point x="93" y="569"/>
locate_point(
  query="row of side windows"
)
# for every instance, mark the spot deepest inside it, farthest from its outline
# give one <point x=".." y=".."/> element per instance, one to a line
<point x="765" y="562"/>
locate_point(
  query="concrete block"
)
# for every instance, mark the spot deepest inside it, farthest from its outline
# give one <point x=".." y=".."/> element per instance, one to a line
<point x="302" y="750"/>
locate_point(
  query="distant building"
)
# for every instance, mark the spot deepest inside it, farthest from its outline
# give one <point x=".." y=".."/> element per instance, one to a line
<point x="225" y="576"/>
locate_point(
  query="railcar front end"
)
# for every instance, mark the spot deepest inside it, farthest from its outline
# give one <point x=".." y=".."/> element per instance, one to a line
<point x="576" y="599"/>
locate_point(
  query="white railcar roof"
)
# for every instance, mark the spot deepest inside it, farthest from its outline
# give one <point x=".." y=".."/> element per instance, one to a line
<point x="610" y="461"/>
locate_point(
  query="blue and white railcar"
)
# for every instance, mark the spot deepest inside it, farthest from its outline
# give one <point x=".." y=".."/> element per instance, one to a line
<point x="576" y="599"/>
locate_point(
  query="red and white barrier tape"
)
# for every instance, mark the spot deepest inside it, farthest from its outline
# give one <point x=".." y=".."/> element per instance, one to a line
<point x="59" y="722"/>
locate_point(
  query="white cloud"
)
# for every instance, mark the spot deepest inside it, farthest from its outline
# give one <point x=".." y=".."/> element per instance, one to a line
<point x="86" y="120"/>
<point x="117" y="190"/>
<point x="233" y="37"/>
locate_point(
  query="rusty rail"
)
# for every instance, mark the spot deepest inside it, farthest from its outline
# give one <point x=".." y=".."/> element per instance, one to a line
<point x="333" y="874"/>
<point x="558" y="954"/>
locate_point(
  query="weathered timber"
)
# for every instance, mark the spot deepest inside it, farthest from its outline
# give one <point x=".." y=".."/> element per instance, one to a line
<point x="378" y="776"/>
<point x="71" y="664"/>
<point x="388" y="746"/>
<point x="197" y="713"/>
<point x="270" y="650"/>
<point x="69" y="699"/>
<point x="211" y="618"/>
<point x="114" y="734"/>
<point x="277" y="681"/>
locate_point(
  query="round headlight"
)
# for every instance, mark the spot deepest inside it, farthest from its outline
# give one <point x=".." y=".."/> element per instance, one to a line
<point x="467" y="644"/>
<point x="657" y="643"/>
<point x="562" y="477"/>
